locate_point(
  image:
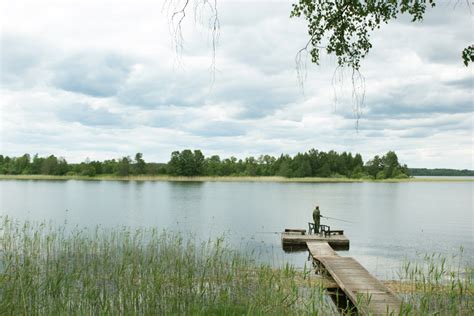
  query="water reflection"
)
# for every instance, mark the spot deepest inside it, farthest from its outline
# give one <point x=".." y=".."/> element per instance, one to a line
<point x="390" y="221"/>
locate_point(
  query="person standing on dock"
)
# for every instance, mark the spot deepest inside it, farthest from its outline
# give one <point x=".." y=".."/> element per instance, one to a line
<point x="317" y="219"/>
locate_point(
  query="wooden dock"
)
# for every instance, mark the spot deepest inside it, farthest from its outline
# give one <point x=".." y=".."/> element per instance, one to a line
<point x="354" y="280"/>
<point x="293" y="240"/>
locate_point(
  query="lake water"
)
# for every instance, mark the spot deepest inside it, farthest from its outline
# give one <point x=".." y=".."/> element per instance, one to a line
<point x="389" y="221"/>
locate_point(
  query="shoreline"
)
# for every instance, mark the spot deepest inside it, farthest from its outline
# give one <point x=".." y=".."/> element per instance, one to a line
<point x="165" y="178"/>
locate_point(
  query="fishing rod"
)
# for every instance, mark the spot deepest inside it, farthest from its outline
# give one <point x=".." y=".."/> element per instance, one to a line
<point x="337" y="219"/>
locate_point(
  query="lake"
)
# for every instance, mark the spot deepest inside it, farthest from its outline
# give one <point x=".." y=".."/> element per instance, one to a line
<point x="387" y="222"/>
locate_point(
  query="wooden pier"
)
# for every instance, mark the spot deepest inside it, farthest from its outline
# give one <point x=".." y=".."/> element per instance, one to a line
<point x="358" y="285"/>
<point x="294" y="239"/>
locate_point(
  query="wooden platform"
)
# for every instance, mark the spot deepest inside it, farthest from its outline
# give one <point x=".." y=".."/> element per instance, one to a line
<point x="298" y="241"/>
<point x="356" y="282"/>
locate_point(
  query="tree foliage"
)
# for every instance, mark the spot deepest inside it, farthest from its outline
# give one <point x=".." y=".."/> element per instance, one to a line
<point x="344" y="27"/>
<point x="312" y="163"/>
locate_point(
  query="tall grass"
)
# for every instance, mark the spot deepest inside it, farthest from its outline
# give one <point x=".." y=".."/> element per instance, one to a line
<point x="45" y="270"/>
<point x="437" y="285"/>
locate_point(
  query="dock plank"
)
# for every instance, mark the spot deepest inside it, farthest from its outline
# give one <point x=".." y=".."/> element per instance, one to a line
<point x="320" y="248"/>
<point x="335" y="241"/>
<point x="356" y="282"/>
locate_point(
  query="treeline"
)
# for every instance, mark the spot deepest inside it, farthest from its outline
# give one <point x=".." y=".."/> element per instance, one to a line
<point x="440" y="172"/>
<point x="53" y="165"/>
<point x="313" y="163"/>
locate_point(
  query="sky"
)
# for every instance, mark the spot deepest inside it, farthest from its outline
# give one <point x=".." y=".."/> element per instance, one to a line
<point x="105" y="79"/>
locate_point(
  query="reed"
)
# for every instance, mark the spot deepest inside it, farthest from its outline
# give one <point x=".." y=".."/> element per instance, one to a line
<point x="111" y="177"/>
<point x="45" y="269"/>
<point x="437" y="285"/>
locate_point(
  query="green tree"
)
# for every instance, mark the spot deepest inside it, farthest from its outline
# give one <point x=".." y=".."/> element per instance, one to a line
<point x="139" y="167"/>
<point x="50" y="166"/>
<point x="187" y="163"/>
<point x="374" y="166"/>
<point x="88" y="170"/>
<point x="123" y="167"/>
<point x="63" y="166"/>
<point x="109" y="166"/>
<point x="266" y="165"/>
<point x="303" y="170"/>
<point x="186" y="160"/>
<point x="174" y="163"/>
<point x="324" y="171"/>
<point x="198" y="163"/>
<point x="36" y="164"/>
<point x="390" y="163"/>
<point x="230" y="166"/>
<point x="343" y="27"/>
<point x="357" y="162"/>
<point x="284" y="169"/>
<point x="21" y="165"/>
<point x="213" y="166"/>
<point x="251" y="167"/>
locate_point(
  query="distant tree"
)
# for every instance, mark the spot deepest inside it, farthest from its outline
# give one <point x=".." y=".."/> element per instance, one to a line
<point x="386" y="167"/>
<point x="285" y="170"/>
<point x="24" y="164"/>
<point x="342" y="164"/>
<point x="186" y="159"/>
<point x="303" y="170"/>
<point x="324" y="171"/>
<point x="251" y="167"/>
<point x="63" y="166"/>
<point x="98" y="166"/>
<point x="358" y="172"/>
<point x="36" y="164"/>
<point x="123" y="167"/>
<point x="266" y="165"/>
<point x="390" y="164"/>
<point x="381" y="175"/>
<point x="357" y="162"/>
<point x="109" y="166"/>
<point x="374" y="166"/>
<point x="174" y="164"/>
<point x="152" y="168"/>
<point x="230" y="166"/>
<point x="440" y="172"/>
<point x="187" y="163"/>
<point x="198" y="163"/>
<point x="5" y="165"/>
<point x="139" y="167"/>
<point x="88" y="170"/>
<point x="213" y="166"/>
<point x="194" y="163"/>
<point x="50" y="166"/>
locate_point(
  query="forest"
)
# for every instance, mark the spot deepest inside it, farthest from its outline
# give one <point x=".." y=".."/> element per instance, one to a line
<point x="441" y="172"/>
<point x="188" y="163"/>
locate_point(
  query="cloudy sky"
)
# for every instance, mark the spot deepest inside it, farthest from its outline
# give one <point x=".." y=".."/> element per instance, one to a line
<point x="103" y="79"/>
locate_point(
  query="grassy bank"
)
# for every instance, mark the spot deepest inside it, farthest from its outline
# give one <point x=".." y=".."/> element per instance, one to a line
<point x="44" y="270"/>
<point x="226" y="179"/>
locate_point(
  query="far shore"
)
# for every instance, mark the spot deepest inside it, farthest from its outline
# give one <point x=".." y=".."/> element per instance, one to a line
<point x="226" y="179"/>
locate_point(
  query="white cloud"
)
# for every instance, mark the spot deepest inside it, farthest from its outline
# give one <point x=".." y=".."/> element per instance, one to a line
<point x="101" y="80"/>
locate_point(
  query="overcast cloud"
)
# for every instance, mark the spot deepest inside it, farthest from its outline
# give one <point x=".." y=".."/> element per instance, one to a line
<point x="102" y="79"/>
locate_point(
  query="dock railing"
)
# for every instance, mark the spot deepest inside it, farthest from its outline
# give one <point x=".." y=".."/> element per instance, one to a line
<point x="325" y="230"/>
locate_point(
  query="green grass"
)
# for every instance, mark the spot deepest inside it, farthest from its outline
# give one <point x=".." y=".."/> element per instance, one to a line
<point x="225" y="179"/>
<point x="45" y="270"/>
<point x="436" y="285"/>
